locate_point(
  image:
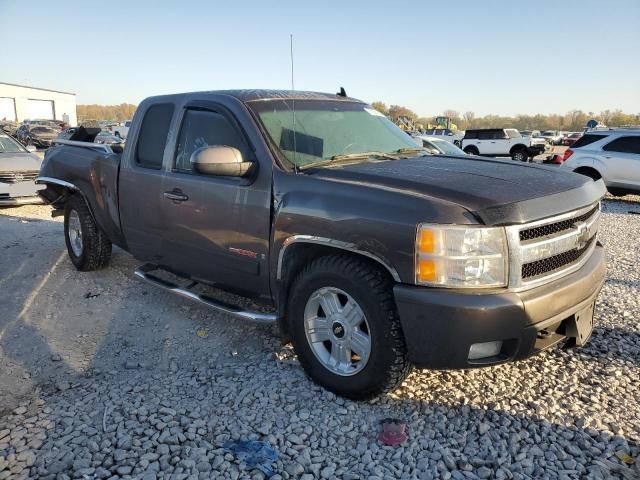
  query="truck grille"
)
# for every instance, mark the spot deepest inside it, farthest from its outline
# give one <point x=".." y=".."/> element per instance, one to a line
<point x="543" y="250"/>
<point x="550" y="229"/>
<point x="15" y="177"/>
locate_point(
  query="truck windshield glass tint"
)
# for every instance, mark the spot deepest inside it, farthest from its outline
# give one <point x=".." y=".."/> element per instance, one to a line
<point x="324" y="129"/>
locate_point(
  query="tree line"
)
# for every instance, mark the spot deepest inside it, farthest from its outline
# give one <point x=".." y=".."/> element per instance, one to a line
<point x="124" y="111"/>
<point x="575" y="120"/>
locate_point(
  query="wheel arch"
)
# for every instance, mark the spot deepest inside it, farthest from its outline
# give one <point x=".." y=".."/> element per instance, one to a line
<point x="298" y="250"/>
<point x="59" y="191"/>
<point x="517" y="147"/>
<point x="587" y="170"/>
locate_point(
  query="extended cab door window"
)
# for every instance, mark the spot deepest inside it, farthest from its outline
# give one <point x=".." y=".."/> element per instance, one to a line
<point x="153" y="136"/>
<point x="204" y="128"/>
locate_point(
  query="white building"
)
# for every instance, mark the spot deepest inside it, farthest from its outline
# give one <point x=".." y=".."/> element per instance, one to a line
<point x="19" y="103"/>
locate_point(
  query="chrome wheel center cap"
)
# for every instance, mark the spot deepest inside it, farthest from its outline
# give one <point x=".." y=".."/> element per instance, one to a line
<point x="338" y="330"/>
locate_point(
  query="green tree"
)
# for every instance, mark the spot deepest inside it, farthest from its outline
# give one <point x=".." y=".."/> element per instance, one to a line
<point x="379" y="106"/>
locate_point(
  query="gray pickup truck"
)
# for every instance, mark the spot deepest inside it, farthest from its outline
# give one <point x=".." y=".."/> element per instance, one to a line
<point x="371" y="255"/>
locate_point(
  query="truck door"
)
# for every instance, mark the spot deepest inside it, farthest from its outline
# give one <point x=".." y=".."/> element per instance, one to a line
<point x="140" y="184"/>
<point x="217" y="227"/>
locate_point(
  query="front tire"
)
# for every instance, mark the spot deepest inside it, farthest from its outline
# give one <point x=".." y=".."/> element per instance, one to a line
<point x="345" y="327"/>
<point x="520" y="155"/>
<point x="88" y="247"/>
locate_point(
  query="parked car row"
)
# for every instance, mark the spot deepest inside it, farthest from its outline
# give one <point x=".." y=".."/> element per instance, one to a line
<point x="36" y="134"/>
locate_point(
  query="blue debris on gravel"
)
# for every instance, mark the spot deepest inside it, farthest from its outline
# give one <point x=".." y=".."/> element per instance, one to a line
<point x="254" y="453"/>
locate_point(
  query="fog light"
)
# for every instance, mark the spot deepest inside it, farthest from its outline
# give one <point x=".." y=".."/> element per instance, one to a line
<point x="484" y="350"/>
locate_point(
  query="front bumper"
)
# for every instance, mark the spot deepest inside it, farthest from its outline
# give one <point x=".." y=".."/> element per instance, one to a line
<point x="441" y="325"/>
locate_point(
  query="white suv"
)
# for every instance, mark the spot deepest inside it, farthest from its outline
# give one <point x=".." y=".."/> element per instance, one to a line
<point x="613" y="155"/>
<point x="501" y="142"/>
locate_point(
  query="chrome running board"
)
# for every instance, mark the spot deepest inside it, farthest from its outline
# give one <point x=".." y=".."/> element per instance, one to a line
<point x="144" y="272"/>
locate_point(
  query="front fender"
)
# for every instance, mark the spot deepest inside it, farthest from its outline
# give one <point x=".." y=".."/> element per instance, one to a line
<point x="373" y="222"/>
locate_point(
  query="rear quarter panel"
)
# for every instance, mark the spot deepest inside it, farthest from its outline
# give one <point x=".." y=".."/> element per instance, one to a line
<point x="95" y="175"/>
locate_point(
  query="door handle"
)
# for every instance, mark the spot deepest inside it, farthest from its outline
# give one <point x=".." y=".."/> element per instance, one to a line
<point x="176" y="196"/>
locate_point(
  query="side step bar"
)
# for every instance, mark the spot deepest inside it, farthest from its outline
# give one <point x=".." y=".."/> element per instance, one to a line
<point x="144" y="272"/>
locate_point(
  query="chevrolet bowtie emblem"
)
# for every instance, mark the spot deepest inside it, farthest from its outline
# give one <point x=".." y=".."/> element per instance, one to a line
<point x="582" y="237"/>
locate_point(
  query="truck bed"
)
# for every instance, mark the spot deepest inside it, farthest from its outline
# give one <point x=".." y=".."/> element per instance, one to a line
<point x="91" y="169"/>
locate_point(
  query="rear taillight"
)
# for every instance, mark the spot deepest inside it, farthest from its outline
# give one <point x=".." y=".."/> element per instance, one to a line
<point x="567" y="153"/>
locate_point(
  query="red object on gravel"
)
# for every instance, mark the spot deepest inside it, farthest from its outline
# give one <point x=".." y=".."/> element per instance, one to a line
<point x="393" y="432"/>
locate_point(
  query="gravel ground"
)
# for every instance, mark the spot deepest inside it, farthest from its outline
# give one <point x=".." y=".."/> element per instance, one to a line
<point x="102" y="376"/>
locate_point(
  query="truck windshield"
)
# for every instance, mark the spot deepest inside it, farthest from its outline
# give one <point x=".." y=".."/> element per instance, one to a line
<point x="325" y="129"/>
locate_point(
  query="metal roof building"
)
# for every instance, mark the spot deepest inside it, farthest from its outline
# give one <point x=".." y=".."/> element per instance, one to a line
<point x="20" y="102"/>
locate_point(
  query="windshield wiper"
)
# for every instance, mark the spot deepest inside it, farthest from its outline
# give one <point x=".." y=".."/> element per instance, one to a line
<point x="386" y="156"/>
<point x="351" y="156"/>
<point x="409" y="150"/>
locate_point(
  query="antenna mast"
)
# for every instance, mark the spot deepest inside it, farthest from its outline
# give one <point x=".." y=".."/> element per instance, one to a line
<point x="291" y="53"/>
<point x="293" y="102"/>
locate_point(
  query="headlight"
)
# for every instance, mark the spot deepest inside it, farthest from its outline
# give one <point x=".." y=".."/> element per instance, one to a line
<point x="461" y="256"/>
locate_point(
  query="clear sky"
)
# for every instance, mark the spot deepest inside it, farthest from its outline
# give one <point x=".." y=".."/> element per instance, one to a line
<point x="489" y="56"/>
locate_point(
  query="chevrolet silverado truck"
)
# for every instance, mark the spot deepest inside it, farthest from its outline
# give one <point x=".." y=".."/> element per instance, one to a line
<point x="372" y="255"/>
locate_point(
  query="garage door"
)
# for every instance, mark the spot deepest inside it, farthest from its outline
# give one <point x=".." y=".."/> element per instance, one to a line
<point x="7" y="109"/>
<point x="40" y="109"/>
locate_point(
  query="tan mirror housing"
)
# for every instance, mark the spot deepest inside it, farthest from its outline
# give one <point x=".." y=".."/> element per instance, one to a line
<point x="220" y="160"/>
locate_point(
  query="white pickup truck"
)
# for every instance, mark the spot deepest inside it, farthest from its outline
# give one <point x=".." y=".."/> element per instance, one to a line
<point x="501" y="142"/>
<point x="121" y="130"/>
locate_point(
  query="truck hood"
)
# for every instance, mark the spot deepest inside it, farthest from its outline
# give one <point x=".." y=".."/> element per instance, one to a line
<point x="497" y="192"/>
<point x="19" y="162"/>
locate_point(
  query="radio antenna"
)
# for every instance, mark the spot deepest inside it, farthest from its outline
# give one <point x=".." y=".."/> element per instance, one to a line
<point x="293" y="87"/>
<point x="293" y="102"/>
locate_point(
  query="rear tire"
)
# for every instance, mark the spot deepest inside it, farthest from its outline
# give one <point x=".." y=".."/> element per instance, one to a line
<point x="356" y="347"/>
<point x="471" y="151"/>
<point x="88" y="247"/>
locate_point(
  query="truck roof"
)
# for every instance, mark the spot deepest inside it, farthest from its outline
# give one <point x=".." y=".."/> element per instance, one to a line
<point x="252" y="95"/>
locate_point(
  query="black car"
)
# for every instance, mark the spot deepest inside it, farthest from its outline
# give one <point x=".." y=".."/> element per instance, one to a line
<point x="37" y="135"/>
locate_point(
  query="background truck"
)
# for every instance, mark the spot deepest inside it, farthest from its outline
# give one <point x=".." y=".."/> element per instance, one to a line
<point x="501" y="142"/>
<point x="121" y="131"/>
<point x="370" y="254"/>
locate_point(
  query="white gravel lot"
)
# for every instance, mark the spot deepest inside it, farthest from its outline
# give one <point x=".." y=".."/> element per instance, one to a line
<point x="102" y="376"/>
